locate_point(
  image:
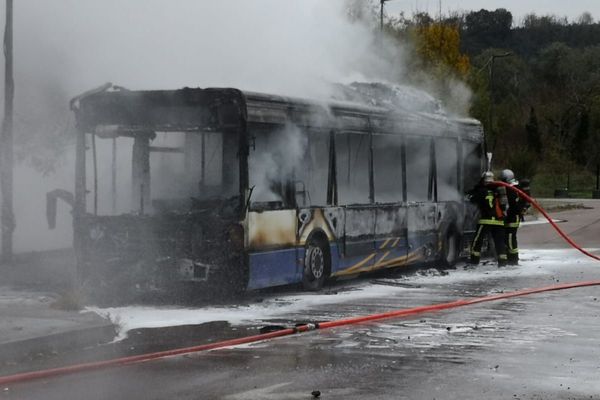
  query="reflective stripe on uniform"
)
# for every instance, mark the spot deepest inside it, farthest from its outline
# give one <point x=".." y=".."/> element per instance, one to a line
<point x="479" y="229"/>
<point x="513" y="224"/>
<point x="502" y="257"/>
<point x="491" y="222"/>
<point x="511" y="249"/>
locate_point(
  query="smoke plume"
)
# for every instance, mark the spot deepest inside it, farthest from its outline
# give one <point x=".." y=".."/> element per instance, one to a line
<point x="65" y="47"/>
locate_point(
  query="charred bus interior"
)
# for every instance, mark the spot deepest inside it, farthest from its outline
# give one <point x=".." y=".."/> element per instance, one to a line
<point x="158" y="191"/>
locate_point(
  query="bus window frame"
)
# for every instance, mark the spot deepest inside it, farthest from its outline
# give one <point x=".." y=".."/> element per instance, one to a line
<point x="401" y="170"/>
<point x="346" y="134"/>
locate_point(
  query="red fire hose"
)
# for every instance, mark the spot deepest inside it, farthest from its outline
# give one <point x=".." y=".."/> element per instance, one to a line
<point x="531" y="200"/>
<point x="55" y="372"/>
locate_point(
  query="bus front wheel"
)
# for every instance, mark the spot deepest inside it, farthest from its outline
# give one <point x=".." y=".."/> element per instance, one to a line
<point x="316" y="265"/>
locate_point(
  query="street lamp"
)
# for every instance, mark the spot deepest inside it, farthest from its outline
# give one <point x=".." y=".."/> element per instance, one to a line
<point x="491" y="109"/>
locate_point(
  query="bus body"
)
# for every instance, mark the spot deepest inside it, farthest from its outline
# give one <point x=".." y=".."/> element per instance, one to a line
<point x="250" y="190"/>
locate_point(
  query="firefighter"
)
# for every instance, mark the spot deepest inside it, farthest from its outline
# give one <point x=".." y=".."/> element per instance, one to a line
<point x="516" y="208"/>
<point x="492" y="203"/>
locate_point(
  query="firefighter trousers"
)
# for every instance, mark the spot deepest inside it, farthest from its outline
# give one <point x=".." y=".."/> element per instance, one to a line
<point x="497" y="234"/>
<point x="512" y="247"/>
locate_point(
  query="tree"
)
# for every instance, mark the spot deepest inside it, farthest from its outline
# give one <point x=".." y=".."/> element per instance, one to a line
<point x="570" y="83"/>
<point x="554" y="65"/>
<point x="439" y="65"/>
<point x="534" y="140"/>
<point x="485" y="29"/>
<point x="438" y="46"/>
<point x="505" y="94"/>
<point x="585" y="19"/>
<point x="592" y="147"/>
<point x="546" y="96"/>
<point x="422" y="19"/>
<point x="580" y="138"/>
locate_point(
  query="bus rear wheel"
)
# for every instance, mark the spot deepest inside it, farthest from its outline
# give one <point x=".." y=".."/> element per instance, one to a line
<point x="316" y="265"/>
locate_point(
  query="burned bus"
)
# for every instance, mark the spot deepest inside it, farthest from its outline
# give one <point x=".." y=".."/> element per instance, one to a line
<point x="247" y="190"/>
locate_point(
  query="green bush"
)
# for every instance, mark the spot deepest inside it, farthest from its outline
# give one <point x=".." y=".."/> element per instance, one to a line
<point x="580" y="184"/>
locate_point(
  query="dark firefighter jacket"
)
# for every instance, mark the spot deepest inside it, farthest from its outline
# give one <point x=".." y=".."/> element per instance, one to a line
<point x="491" y="202"/>
<point x="516" y="208"/>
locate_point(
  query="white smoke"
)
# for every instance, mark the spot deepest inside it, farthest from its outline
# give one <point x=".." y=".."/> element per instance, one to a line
<point x="65" y="47"/>
<point x="276" y="158"/>
<point x="270" y="45"/>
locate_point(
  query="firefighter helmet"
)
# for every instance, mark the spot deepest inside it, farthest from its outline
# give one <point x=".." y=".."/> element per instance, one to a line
<point x="487" y="177"/>
<point x="508" y="176"/>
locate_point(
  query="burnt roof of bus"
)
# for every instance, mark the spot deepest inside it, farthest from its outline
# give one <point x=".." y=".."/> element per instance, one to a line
<point x="190" y="109"/>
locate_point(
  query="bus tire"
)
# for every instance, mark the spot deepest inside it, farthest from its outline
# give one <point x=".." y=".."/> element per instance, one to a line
<point x="317" y="264"/>
<point x="450" y="248"/>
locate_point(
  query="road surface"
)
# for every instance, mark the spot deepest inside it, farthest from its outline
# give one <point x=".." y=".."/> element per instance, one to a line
<point x="545" y="346"/>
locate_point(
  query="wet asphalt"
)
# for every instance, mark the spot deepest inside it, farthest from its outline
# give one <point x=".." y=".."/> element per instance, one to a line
<point x="545" y="346"/>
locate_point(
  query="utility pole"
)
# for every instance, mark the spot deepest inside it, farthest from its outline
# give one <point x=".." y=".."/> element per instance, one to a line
<point x="7" y="218"/>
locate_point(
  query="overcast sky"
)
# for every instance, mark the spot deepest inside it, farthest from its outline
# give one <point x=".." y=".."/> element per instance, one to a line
<point x="571" y="9"/>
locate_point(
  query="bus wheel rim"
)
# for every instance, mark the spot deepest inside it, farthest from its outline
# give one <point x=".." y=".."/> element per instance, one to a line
<point x="317" y="262"/>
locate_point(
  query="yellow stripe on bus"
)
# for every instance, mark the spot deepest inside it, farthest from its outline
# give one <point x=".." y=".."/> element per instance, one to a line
<point x="358" y="265"/>
<point x="385" y="243"/>
<point x="387" y="253"/>
<point x="356" y="268"/>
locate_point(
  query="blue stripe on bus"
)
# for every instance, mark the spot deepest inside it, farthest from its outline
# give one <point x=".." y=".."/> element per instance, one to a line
<point x="349" y="264"/>
<point x="284" y="267"/>
<point x="273" y="268"/>
<point x="416" y="241"/>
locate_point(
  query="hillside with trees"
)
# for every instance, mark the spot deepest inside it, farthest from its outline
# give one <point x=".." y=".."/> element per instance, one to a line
<point x="535" y="86"/>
